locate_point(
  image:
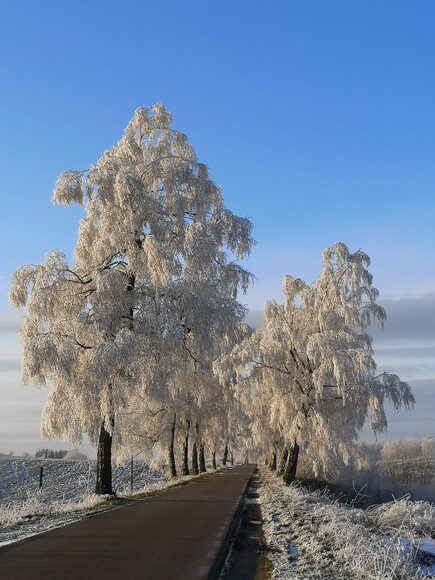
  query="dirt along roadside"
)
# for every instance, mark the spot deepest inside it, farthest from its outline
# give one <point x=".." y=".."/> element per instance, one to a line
<point x="179" y="534"/>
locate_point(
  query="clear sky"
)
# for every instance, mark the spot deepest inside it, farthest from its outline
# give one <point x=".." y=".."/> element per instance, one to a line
<point x="316" y="117"/>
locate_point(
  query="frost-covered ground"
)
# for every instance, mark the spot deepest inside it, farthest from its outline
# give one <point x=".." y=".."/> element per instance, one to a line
<point x="66" y="494"/>
<point x="310" y="536"/>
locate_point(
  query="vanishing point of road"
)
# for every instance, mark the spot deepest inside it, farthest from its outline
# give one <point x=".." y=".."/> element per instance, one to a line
<point x="178" y="534"/>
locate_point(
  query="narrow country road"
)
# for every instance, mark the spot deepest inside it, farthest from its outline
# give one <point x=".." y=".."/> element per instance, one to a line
<point x="175" y="535"/>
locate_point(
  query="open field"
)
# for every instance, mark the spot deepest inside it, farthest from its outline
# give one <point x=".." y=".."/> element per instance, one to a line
<point x="66" y="493"/>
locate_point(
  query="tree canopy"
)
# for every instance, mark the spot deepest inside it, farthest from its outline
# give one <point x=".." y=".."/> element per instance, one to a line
<point x="141" y="338"/>
<point x="308" y="377"/>
<point x="154" y="281"/>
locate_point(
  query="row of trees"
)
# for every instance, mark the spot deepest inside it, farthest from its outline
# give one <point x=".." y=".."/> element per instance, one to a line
<point x="51" y="453"/>
<point x="308" y="378"/>
<point x="141" y="338"/>
<point x="408" y="461"/>
<point x="126" y="333"/>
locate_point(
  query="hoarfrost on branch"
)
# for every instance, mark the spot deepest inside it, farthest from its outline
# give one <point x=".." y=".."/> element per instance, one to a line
<point x="151" y="292"/>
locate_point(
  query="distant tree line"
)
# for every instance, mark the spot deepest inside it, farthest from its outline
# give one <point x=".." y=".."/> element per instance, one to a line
<point x="380" y="470"/>
<point x="51" y="453"/>
<point x="408" y="461"/>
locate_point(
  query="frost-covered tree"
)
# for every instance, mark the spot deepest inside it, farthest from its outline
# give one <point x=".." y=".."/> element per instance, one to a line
<point x="408" y="461"/>
<point x="193" y="418"/>
<point x="309" y="375"/>
<point x="155" y="272"/>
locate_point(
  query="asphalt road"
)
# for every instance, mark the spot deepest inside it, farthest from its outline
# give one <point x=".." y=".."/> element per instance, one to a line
<point x="175" y="535"/>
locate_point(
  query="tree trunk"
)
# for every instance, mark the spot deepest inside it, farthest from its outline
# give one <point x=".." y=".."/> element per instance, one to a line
<point x="104" y="462"/>
<point x="232" y="457"/>
<point x="292" y="464"/>
<point x="202" y="468"/>
<point x="213" y="460"/>
<point x="171" y="456"/>
<point x="225" y="457"/>
<point x="103" y="484"/>
<point x="283" y="461"/>
<point x="272" y="462"/>
<point x="186" y="451"/>
<point x="195" y="469"/>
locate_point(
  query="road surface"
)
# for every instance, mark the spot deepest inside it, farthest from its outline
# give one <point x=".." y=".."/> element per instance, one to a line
<point x="178" y="534"/>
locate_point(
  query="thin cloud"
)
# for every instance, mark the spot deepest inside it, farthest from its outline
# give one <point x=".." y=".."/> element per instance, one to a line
<point x="407" y="352"/>
<point x="416" y="422"/>
<point x="10" y="322"/>
<point x="8" y="365"/>
<point x="407" y="345"/>
<point x="409" y="319"/>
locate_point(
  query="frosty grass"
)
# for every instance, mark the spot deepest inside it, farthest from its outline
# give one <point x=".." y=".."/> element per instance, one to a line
<point x="309" y="535"/>
<point x="66" y="494"/>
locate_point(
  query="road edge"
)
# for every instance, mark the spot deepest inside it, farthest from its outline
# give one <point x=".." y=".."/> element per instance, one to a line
<point x="220" y="560"/>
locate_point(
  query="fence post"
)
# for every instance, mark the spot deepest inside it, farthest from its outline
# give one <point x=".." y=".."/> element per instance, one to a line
<point x="41" y="475"/>
<point x="131" y="474"/>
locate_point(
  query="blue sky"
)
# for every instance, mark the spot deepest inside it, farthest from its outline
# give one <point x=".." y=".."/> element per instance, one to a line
<point x="317" y="118"/>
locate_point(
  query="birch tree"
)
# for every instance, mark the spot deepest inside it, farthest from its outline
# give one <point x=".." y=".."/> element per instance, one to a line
<point x="309" y="376"/>
<point x="155" y="271"/>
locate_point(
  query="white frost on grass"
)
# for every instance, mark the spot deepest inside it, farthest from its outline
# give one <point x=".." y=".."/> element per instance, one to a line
<point x="66" y="494"/>
<point x="417" y="517"/>
<point x="33" y="507"/>
<point x="26" y="510"/>
<point x="310" y="536"/>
